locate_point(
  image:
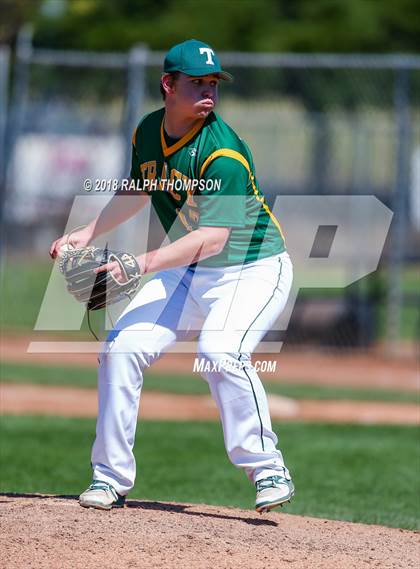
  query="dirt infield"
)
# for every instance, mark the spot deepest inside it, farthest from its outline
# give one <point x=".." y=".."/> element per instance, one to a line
<point x="76" y="402"/>
<point x="304" y="367"/>
<point x="157" y="535"/>
<point x="308" y="367"/>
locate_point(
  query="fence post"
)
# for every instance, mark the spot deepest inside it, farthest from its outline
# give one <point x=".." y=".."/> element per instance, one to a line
<point x="13" y="124"/>
<point x="4" y="83"/>
<point x="18" y="103"/>
<point x="399" y="207"/>
<point x="134" y="109"/>
<point x="136" y="92"/>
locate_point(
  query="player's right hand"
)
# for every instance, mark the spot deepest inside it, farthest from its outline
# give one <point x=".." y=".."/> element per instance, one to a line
<point x="76" y="240"/>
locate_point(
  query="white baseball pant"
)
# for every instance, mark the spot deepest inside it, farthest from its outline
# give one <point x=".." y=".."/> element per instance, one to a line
<point x="233" y="307"/>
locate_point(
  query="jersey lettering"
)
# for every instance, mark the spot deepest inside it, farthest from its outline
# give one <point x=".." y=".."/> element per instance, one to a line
<point x="163" y="176"/>
<point x="148" y="170"/>
<point x="175" y="175"/>
<point x="183" y="219"/>
<point x="194" y="215"/>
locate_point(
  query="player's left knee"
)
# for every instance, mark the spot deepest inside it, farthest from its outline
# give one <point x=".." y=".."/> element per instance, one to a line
<point x="210" y="352"/>
<point x="222" y="346"/>
<point x="127" y="346"/>
<point x="213" y="357"/>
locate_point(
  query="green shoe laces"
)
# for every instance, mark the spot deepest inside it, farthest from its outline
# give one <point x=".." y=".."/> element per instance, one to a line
<point x="270" y="482"/>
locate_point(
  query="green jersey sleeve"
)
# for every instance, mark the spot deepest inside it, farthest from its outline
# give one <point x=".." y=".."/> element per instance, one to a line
<point x="135" y="172"/>
<point x="225" y="204"/>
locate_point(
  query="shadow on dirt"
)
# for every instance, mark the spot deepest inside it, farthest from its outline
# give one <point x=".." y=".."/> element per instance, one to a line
<point x="184" y="509"/>
<point x="39" y="496"/>
<point x="157" y="506"/>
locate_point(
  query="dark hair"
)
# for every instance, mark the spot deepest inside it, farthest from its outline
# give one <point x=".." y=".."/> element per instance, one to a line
<point x="174" y="77"/>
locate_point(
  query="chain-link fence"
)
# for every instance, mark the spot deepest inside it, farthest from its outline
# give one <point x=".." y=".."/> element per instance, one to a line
<point x="316" y="124"/>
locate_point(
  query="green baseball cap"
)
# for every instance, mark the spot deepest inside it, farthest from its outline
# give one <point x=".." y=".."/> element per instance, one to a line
<point x="195" y="58"/>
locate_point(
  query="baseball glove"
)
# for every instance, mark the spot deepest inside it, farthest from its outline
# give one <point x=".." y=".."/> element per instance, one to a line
<point x="98" y="289"/>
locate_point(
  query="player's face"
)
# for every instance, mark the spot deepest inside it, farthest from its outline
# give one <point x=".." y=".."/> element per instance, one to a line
<point x="195" y="97"/>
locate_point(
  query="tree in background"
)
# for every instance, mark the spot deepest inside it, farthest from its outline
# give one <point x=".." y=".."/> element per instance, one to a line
<point x="337" y="26"/>
<point x="13" y="14"/>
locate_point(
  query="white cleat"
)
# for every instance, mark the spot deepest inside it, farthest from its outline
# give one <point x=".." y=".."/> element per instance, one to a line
<point x="272" y="492"/>
<point x="102" y="496"/>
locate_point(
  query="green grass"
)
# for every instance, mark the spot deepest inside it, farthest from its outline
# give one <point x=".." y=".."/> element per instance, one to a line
<point x="358" y="473"/>
<point x="22" y="287"/>
<point x="23" y="284"/>
<point x="191" y="384"/>
<point x="48" y="375"/>
<point x="302" y="391"/>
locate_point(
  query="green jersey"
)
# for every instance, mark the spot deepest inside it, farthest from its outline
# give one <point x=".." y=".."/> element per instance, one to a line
<point x="205" y="179"/>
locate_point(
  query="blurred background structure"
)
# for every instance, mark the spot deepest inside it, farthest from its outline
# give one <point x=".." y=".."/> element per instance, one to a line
<point x="75" y="81"/>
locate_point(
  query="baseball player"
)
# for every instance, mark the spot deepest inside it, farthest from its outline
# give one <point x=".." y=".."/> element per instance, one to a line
<point x="225" y="273"/>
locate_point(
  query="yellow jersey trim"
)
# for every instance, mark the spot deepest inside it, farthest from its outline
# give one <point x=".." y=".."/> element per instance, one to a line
<point x="168" y="150"/>
<point x="229" y="153"/>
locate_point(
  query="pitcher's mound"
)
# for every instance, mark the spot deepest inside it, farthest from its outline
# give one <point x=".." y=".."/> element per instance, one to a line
<point x="55" y="532"/>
